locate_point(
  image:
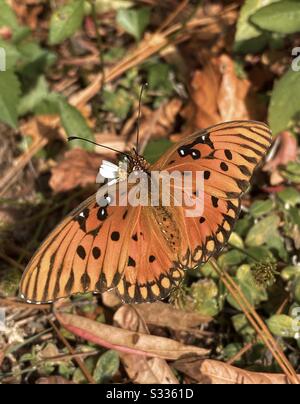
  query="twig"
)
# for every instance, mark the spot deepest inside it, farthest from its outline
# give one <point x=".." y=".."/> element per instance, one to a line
<point x="11" y="262"/>
<point x="258" y="324"/>
<point x="79" y="362"/>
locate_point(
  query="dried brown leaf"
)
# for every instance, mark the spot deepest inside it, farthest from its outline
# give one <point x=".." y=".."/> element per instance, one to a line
<point x="165" y="315"/>
<point x="125" y="340"/>
<point x="78" y="168"/>
<point x="219" y="94"/>
<point x="140" y="369"/>
<point x="214" y="372"/>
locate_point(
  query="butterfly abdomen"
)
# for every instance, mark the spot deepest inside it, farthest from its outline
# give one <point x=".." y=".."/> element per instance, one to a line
<point x="168" y="227"/>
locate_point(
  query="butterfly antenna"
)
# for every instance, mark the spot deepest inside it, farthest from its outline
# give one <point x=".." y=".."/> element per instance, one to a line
<point x="71" y="138"/>
<point x="139" y="117"/>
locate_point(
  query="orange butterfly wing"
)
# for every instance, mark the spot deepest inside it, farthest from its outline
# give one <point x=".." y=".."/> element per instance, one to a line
<point x="227" y="154"/>
<point x="82" y="254"/>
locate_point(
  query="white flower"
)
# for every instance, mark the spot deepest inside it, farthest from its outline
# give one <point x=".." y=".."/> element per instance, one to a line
<point x="109" y="170"/>
<point x="112" y="172"/>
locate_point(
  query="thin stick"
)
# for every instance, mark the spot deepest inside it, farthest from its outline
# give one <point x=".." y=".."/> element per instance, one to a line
<point x="79" y="362"/>
<point x="257" y="324"/>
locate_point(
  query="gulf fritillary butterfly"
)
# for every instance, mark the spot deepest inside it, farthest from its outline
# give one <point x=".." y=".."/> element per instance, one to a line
<point x="142" y="252"/>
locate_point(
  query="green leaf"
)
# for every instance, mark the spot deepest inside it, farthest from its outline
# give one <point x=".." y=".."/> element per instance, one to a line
<point x="282" y="17"/>
<point x="7" y="16"/>
<point x="103" y="6"/>
<point x="261" y="208"/>
<point x="9" y="98"/>
<point x="285" y="102"/>
<point x="134" y="21"/>
<point x="248" y="37"/>
<point x="118" y="102"/>
<point x="289" y="196"/>
<point x="9" y="19"/>
<point x="263" y="231"/>
<point x="231" y="258"/>
<point x="290" y="272"/>
<point x="156" y="148"/>
<point x="49" y="105"/>
<point x="12" y="55"/>
<point x="158" y="77"/>
<point x="296" y="289"/>
<point x="291" y="172"/>
<point x="242" y="326"/>
<point x="106" y="367"/>
<point x="75" y="125"/>
<point x="66" y="21"/>
<point x="33" y="98"/>
<point x="204" y="294"/>
<point x="254" y="293"/>
<point x="282" y="326"/>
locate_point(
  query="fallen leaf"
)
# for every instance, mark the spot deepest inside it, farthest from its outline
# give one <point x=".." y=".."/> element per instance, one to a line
<point x="209" y="371"/>
<point x="165" y="315"/>
<point x="219" y="95"/>
<point x="78" y="168"/>
<point x="142" y="370"/>
<point x="126" y="341"/>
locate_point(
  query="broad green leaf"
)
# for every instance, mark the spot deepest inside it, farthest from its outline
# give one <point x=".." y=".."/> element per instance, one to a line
<point x="9" y="19"/>
<point x="156" y="148"/>
<point x="282" y="326"/>
<point x="289" y="196"/>
<point x="134" y="21"/>
<point x="260" y="208"/>
<point x="290" y="272"/>
<point x="242" y="326"/>
<point x="263" y="231"/>
<point x="236" y="241"/>
<point x="75" y="125"/>
<point x="285" y="102"/>
<point x="106" y="367"/>
<point x="9" y="98"/>
<point x="66" y="21"/>
<point x="12" y="55"/>
<point x="78" y="376"/>
<point x="248" y="37"/>
<point x="34" y="61"/>
<point x="7" y="16"/>
<point x="231" y="350"/>
<point x="33" y="98"/>
<point x="282" y="17"/>
<point x="49" y="105"/>
<point x="231" y="258"/>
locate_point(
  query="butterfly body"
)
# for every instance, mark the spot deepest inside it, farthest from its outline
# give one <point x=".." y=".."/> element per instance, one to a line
<point x="142" y="251"/>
